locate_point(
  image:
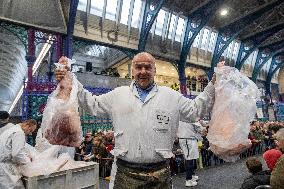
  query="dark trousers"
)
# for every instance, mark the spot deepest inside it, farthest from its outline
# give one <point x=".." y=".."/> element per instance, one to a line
<point x="191" y="166"/>
<point x="142" y="176"/>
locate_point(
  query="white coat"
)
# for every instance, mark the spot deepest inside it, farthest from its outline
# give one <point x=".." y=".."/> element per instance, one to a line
<point x="144" y="131"/>
<point x="189" y="134"/>
<point x="12" y="154"/>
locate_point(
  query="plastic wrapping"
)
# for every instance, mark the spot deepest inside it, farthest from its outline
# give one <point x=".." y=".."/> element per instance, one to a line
<point x="48" y="162"/>
<point x="234" y="108"/>
<point x="43" y="163"/>
<point x="61" y="120"/>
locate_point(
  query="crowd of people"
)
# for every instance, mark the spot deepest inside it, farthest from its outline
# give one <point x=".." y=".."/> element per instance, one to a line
<point x="96" y="147"/>
<point x="265" y="141"/>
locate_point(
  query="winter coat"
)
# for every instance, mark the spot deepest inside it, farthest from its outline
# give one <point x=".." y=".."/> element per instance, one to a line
<point x="260" y="178"/>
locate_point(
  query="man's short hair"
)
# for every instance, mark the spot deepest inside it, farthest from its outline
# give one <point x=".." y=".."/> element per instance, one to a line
<point x="254" y="165"/>
<point x="4" y="115"/>
<point x="143" y="57"/>
<point x="280" y="134"/>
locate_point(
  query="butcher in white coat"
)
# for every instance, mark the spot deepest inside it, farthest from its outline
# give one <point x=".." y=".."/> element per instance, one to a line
<point x="145" y="120"/>
<point x="13" y="153"/>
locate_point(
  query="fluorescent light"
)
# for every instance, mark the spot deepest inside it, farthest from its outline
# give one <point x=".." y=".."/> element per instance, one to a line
<point x="41" y="55"/>
<point x="16" y="99"/>
<point x="224" y="12"/>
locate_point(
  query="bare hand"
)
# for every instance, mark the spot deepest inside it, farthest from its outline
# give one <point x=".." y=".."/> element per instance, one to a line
<point x="220" y="64"/>
<point x="60" y="73"/>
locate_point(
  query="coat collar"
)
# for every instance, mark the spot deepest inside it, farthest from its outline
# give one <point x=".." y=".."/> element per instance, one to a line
<point x="151" y="94"/>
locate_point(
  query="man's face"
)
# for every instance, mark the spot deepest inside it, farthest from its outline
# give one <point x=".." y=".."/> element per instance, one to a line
<point x="143" y="73"/>
<point x="88" y="138"/>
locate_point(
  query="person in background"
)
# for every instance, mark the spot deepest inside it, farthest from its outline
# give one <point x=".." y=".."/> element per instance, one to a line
<point x="12" y="150"/>
<point x="109" y="141"/>
<point x="86" y="148"/>
<point x="258" y="176"/>
<point x="177" y="161"/>
<point x="277" y="175"/>
<point x="145" y="119"/>
<point x="205" y="151"/>
<point x="99" y="149"/>
<point x="189" y="134"/>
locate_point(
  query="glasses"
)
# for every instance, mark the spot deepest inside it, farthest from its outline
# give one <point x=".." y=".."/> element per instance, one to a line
<point x="88" y="136"/>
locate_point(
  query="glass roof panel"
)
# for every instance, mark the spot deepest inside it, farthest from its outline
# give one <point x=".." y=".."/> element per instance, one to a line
<point x="180" y="28"/>
<point x="125" y="11"/>
<point x="136" y="14"/>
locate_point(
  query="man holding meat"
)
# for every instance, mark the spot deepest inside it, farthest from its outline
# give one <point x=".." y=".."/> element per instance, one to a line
<point x="145" y="120"/>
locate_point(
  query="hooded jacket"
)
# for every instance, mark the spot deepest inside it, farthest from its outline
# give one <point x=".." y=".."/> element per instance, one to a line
<point x="260" y="178"/>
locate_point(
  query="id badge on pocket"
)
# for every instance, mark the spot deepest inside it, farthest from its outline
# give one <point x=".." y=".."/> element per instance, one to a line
<point x="162" y="121"/>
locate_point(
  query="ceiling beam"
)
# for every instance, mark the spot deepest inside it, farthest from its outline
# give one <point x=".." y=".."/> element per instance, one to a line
<point x="231" y="31"/>
<point x="253" y="41"/>
<point x="264" y="54"/>
<point x="276" y="64"/>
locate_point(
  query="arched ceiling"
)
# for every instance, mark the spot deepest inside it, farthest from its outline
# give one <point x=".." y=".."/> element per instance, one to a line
<point x="52" y="15"/>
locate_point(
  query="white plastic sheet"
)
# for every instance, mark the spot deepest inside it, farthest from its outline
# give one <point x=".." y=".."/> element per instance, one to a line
<point x="48" y="162"/>
<point x="234" y="108"/>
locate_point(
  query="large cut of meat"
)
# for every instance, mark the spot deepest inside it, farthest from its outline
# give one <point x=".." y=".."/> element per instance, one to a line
<point x="61" y="121"/>
<point x="234" y="108"/>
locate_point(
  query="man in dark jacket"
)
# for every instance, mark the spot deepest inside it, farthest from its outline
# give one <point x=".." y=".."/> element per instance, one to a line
<point x="258" y="177"/>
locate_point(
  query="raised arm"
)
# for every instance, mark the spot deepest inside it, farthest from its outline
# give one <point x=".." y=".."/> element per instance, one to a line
<point x="92" y="104"/>
<point x="191" y="110"/>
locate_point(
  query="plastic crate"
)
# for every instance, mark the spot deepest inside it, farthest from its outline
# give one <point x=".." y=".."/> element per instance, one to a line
<point x="78" y="178"/>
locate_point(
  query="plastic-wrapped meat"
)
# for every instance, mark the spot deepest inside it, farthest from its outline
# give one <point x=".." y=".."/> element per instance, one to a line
<point x="234" y="108"/>
<point x="61" y="120"/>
<point x="64" y="130"/>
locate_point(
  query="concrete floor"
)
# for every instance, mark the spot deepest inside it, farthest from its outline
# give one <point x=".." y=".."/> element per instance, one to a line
<point x="226" y="176"/>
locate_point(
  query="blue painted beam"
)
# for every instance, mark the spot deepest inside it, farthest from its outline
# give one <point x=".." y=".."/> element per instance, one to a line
<point x="276" y="64"/>
<point x="250" y="43"/>
<point x="70" y="28"/>
<point x="229" y="32"/>
<point x="264" y="54"/>
<point x="152" y="8"/>
<point x="195" y="22"/>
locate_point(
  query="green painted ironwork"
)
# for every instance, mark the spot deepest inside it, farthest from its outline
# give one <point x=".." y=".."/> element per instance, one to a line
<point x="36" y="105"/>
<point x="20" y="32"/>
